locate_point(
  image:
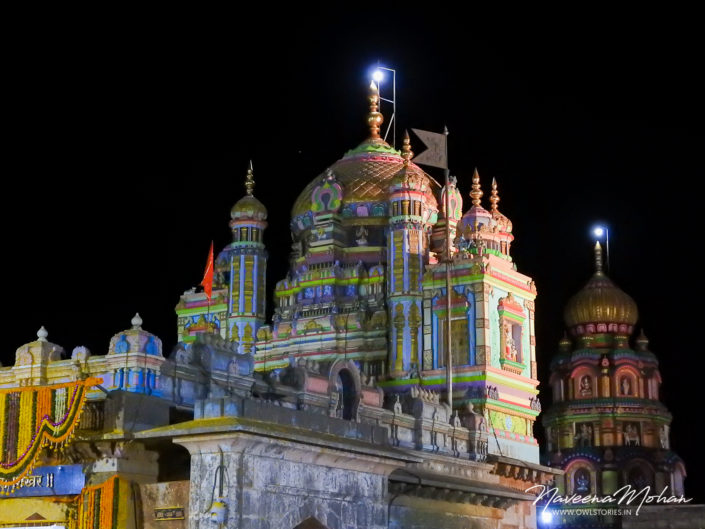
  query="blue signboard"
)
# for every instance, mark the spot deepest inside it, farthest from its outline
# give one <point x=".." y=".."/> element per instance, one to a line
<point x="60" y="480"/>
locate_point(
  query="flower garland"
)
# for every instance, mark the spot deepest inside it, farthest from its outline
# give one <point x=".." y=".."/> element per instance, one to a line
<point x="27" y="424"/>
<point x="98" y="505"/>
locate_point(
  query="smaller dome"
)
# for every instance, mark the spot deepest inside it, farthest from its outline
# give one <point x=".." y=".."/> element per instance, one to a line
<point x="476" y="215"/>
<point x="135" y="340"/>
<point x="600" y="301"/>
<point x="248" y="207"/>
<point x="39" y="351"/>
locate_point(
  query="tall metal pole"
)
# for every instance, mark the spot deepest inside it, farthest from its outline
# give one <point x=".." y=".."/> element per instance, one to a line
<point x="449" y="353"/>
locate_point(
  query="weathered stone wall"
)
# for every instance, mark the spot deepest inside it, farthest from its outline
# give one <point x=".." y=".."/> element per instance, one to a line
<point x="420" y="513"/>
<point x="157" y="497"/>
<point x="275" y="484"/>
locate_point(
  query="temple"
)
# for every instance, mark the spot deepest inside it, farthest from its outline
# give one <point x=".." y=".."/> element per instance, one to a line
<point x="394" y="387"/>
<point x="607" y="427"/>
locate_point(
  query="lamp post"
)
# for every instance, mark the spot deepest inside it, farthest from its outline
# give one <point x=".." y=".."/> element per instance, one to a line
<point x="378" y="76"/>
<point x="599" y="231"/>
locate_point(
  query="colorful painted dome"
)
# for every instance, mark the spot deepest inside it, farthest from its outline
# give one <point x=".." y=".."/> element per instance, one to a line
<point x="366" y="172"/>
<point x="600" y="301"/>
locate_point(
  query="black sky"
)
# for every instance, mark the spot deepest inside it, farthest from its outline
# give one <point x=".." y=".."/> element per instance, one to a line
<point x="126" y="145"/>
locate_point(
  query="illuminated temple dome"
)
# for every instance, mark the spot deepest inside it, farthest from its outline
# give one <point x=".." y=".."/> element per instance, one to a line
<point x="600" y="304"/>
<point x="365" y="173"/>
<point x="394" y="383"/>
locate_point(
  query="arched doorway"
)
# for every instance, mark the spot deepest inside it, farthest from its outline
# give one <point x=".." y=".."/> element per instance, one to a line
<point x="347" y="395"/>
<point x="310" y="523"/>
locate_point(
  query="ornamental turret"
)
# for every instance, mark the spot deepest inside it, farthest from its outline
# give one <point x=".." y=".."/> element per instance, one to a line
<point x="485" y="231"/>
<point x="407" y="255"/>
<point x="243" y="266"/>
<point x="237" y="306"/>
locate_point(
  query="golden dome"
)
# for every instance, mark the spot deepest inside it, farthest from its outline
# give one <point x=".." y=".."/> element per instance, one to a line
<point x="600" y="301"/>
<point x="365" y="173"/>
<point x="248" y="207"/>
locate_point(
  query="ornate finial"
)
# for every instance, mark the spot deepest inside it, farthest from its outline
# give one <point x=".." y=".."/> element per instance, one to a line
<point x="249" y="180"/>
<point x="42" y="334"/>
<point x="406" y="152"/>
<point x="642" y="342"/>
<point x="476" y="193"/>
<point x="374" y="118"/>
<point x="494" y="199"/>
<point x="136" y="321"/>
<point x="598" y="257"/>
<point x="564" y="343"/>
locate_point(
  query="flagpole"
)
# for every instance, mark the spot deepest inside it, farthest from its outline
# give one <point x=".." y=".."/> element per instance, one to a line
<point x="449" y="353"/>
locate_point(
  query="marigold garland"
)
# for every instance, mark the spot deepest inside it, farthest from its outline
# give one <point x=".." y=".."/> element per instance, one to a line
<point x="27" y="424"/>
<point x="98" y="505"/>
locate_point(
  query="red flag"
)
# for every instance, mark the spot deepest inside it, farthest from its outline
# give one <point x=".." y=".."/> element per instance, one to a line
<point x="207" y="282"/>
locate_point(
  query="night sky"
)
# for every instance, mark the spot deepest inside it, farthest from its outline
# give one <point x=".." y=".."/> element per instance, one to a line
<point x="126" y="147"/>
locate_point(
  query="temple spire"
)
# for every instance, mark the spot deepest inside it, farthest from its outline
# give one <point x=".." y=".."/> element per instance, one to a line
<point x="494" y="199"/>
<point x="406" y="152"/>
<point x="598" y="257"/>
<point x="476" y="193"/>
<point x="374" y="118"/>
<point x="250" y="180"/>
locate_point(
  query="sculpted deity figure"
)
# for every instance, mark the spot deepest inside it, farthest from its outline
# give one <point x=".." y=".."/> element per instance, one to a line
<point x="582" y="481"/>
<point x="626" y="386"/>
<point x="584" y="435"/>
<point x="663" y="437"/>
<point x="631" y="435"/>
<point x="361" y="236"/>
<point x="585" y="386"/>
<point x="510" y="349"/>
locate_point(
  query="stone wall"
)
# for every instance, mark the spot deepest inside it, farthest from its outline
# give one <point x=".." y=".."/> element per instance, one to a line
<point x="276" y="484"/>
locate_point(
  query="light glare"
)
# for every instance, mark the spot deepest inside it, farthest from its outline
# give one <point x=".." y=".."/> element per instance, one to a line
<point x="378" y="75"/>
<point x="599" y="231"/>
<point x="546" y="517"/>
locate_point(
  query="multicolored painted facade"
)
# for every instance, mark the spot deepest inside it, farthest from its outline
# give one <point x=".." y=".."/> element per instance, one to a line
<point x="334" y="409"/>
<point x="607" y="427"/>
<point x="236" y="309"/>
<point x="367" y="283"/>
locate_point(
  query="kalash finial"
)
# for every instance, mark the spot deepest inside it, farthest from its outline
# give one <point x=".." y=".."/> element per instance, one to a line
<point x="476" y="193"/>
<point x="250" y="180"/>
<point x="598" y="257"/>
<point x="42" y="334"/>
<point x="494" y="199"/>
<point x="136" y="321"/>
<point x="374" y="118"/>
<point x="406" y="152"/>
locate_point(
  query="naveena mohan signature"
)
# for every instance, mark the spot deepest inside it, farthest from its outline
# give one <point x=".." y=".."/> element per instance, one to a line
<point x="625" y="495"/>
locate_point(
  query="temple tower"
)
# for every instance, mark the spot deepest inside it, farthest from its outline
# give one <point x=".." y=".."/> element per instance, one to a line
<point x="238" y="302"/>
<point x="606" y="427"/>
<point x="407" y="255"/>
<point x="491" y="317"/>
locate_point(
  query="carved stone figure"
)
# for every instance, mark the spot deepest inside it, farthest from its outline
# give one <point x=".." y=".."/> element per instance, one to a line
<point x="626" y="386"/>
<point x="663" y="437"/>
<point x="585" y="386"/>
<point x="631" y="435"/>
<point x="361" y="236"/>
<point x="583" y="436"/>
